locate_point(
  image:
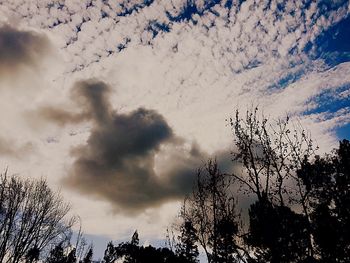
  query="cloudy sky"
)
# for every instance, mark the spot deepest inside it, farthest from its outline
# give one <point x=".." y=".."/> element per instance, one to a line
<point x="118" y="102"/>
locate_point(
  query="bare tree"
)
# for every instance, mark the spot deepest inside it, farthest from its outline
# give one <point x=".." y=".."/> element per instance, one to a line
<point x="32" y="218"/>
<point x="81" y="244"/>
<point x="271" y="152"/>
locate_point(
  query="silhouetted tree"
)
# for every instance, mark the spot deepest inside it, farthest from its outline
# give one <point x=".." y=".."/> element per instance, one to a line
<point x="327" y="180"/>
<point x="57" y="255"/>
<point x="110" y="254"/>
<point x="88" y="256"/>
<point x="226" y="244"/>
<point x="132" y="252"/>
<point x="187" y="247"/>
<point x="302" y="211"/>
<point x="209" y="209"/>
<point x="271" y="154"/>
<point x="32" y="255"/>
<point x="300" y="202"/>
<point x="158" y="255"/>
<point x="135" y="239"/>
<point x="32" y="218"/>
<point x="71" y="257"/>
<point x="80" y="243"/>
<point x="277" y="233"/>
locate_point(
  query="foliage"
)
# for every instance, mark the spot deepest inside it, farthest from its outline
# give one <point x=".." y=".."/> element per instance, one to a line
<point x="327" y="181"/>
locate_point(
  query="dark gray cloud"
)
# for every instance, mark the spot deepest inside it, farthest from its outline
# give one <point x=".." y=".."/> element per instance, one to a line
<point x="91" y="98"/>
<point x="118" y="161"/>
<point x="10" y="148"/>
<point x="20" y="48"/>
<point x="59" y="116"/>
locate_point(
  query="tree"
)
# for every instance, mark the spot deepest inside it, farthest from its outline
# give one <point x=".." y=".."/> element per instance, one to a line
<point x="327" y="179"/>
<point x="187" y="247"/>
<point x="132" y="252"/>
<point x="271" y="153"/>
<point x="32" y="218"/>
<point x="226" y="244"/>
<point x="110" y="254"/>
<point x="299" y="202"/>
<point x="135" y="239"/>
<point x="57" y="255"/>
<point x="210" y="211"/>
<point x="32" y="255"/>
<point x="71" y="257"/>
<point x="80" y="243"/>
<point x="88" y="256"/>
<point x="277" y="233"/>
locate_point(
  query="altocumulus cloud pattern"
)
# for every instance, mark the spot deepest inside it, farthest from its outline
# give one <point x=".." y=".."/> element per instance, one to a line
<point x="202" y="58"/>
<point x="218" y="42"/>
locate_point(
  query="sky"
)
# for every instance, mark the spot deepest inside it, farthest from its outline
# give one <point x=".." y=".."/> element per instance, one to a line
<point x="118" y="102"/>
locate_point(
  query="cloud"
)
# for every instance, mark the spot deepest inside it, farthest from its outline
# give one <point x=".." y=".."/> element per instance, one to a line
<point x="132" y="160"/>
<point x="10" y="148"/>
<point x="217" y="49"/>
<point x="59" y="116"/>
<point x="250" y="32"/>
<point x="6" y="148"/>
<point x="20" y="49"/>
<point x="194" y="62"/>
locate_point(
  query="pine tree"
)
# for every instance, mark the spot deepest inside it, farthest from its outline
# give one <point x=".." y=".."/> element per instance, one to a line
<point x="135" y="239"/>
